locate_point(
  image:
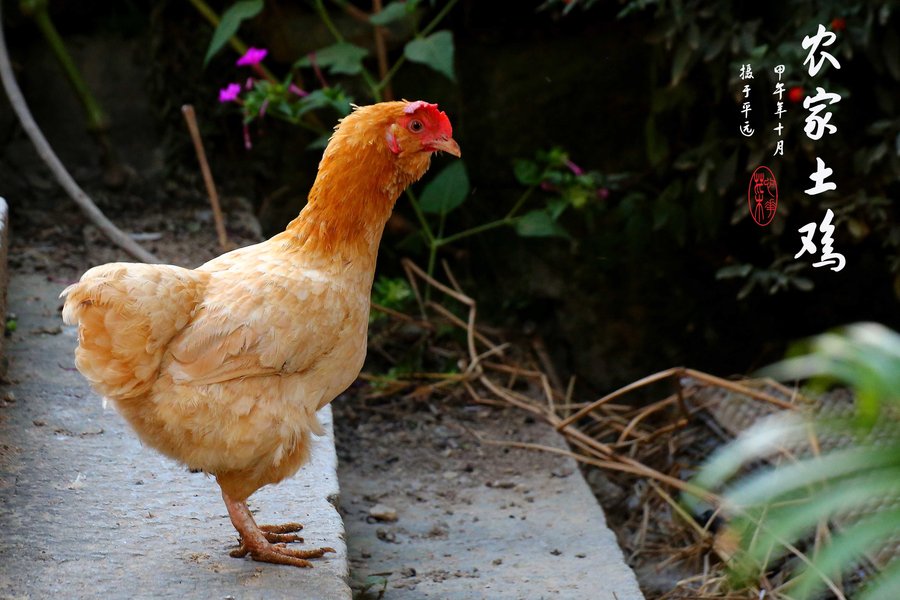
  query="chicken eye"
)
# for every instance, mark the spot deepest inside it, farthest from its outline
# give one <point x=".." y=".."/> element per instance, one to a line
<point x="416" y="126"/>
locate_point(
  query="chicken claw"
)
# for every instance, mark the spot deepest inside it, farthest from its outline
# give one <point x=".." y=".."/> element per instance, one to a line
<point x="280" y="554"/>
<point x="282" y="533"/>
<point x="257" y="540"/>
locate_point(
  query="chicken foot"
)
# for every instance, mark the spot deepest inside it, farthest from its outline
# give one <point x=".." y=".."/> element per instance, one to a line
<point x="257" y="541"/>
<point x="282" y="533"/>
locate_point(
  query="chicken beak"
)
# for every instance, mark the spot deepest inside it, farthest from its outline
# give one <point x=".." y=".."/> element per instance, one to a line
<point x="446" y="144"/>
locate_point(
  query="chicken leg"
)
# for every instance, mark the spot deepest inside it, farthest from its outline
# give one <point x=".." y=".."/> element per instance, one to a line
<point x="258" y="541"/>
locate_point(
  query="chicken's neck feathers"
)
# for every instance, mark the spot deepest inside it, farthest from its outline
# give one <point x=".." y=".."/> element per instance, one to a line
<point x="358" y="183"/>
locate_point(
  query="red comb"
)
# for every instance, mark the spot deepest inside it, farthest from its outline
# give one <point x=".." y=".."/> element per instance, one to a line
<point x="414" y="106"/>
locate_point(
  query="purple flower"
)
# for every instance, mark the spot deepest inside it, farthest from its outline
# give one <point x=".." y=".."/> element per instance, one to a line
<point x="296" y="90"/>
<point x="230" y="93"/>
<point x="253" y="56"/>
<point x="574" y="168"/>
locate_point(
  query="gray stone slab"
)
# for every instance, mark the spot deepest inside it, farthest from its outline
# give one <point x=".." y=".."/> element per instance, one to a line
<point x="87" y="512"/>
<point x="475" y="520"/>
<point x="4" y="275"/>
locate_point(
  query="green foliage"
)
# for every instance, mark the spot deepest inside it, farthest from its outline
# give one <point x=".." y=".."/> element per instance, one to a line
<point x="342" y="58"/>
<point x="562" y="184"/>
<point x="856" y="485"/>
<point x="776" y="278"/>
<point x="702" y="166"/>
<point x="283" y="104"/>
<point x="435" y="51"/>
<point x="393" y="293"/>
<point x="395" y="11"/>
<point x="447" y="190"/>
<point x="285" y="100"/>
<point x="539" y="223"/>
<point x="866" y="357"/>
<point x="230" y="22"/>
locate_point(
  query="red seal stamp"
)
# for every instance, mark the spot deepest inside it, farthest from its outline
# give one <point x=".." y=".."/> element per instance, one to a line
<point x="762" y="196"/>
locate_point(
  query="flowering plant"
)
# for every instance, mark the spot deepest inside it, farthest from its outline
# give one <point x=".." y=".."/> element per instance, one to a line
<point x="263" y="94"/>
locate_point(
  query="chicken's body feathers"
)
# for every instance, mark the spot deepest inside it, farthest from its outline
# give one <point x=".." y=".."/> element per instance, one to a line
<point x="239" y="354"/>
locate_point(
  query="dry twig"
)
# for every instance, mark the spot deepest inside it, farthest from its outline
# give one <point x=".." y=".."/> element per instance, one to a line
<point x="191" y="117"/>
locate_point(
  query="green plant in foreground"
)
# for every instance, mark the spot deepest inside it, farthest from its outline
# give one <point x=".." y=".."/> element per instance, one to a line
<point x="854" y="485"/>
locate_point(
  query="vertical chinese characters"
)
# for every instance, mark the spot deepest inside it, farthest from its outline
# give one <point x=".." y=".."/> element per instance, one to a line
<point x="746" y="74"/>
<point x="818" y="124"/>
<point x="779" y="110"/>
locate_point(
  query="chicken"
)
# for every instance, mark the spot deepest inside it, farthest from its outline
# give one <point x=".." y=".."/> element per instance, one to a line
<point x="223" y="367"/>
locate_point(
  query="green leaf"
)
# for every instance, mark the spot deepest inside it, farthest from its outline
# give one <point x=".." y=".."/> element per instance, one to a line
<point x="556" y="207"/>
<point x="228" y="25"/>
<point x="846" y="549"/>
<point x="789" y="518"/>
<point x="734" y="271"/>
<point x="680" y="63"/>
<point x="883" y="583"/>
<point x="435" y="51"/>
<point x="539" y="223"/>
<point x="576" y="196"/>
<point x="768" y="485"/>
<point x="333" y="97"/>
<point x="342" y="58"/>
<point x="447" y="190"/>
<point x="390" y="13"/>
<point x="668" y="209"/>
<point x="527" y="172"/>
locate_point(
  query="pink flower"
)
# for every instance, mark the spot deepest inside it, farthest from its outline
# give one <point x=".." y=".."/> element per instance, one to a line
<point x="296" y="90"/>
<point x="230" y="93"/>
<point x="574" y="168"/>
<point x="253" y="56"/>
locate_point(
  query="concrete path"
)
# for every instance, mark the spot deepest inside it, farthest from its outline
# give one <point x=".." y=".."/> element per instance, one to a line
<point x="87" y="512"/>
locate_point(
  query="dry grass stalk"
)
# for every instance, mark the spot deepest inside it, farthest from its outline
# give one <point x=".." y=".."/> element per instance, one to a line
<point x="191" y="118"/>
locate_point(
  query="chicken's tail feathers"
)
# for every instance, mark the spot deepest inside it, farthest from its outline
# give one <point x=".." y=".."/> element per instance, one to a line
<point x="126" y="316"/>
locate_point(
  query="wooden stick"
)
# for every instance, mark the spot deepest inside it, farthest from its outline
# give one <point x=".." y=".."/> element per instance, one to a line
<point x="191" y="117"/>
<point x="381" y="51"/>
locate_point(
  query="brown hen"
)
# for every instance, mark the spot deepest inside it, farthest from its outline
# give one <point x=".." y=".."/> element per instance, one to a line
<point x="223" y="367"/>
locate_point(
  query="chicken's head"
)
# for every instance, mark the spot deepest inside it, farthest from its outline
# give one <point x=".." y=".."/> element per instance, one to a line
<point x="421" y="128"/>
<point x="383" y="148"/>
